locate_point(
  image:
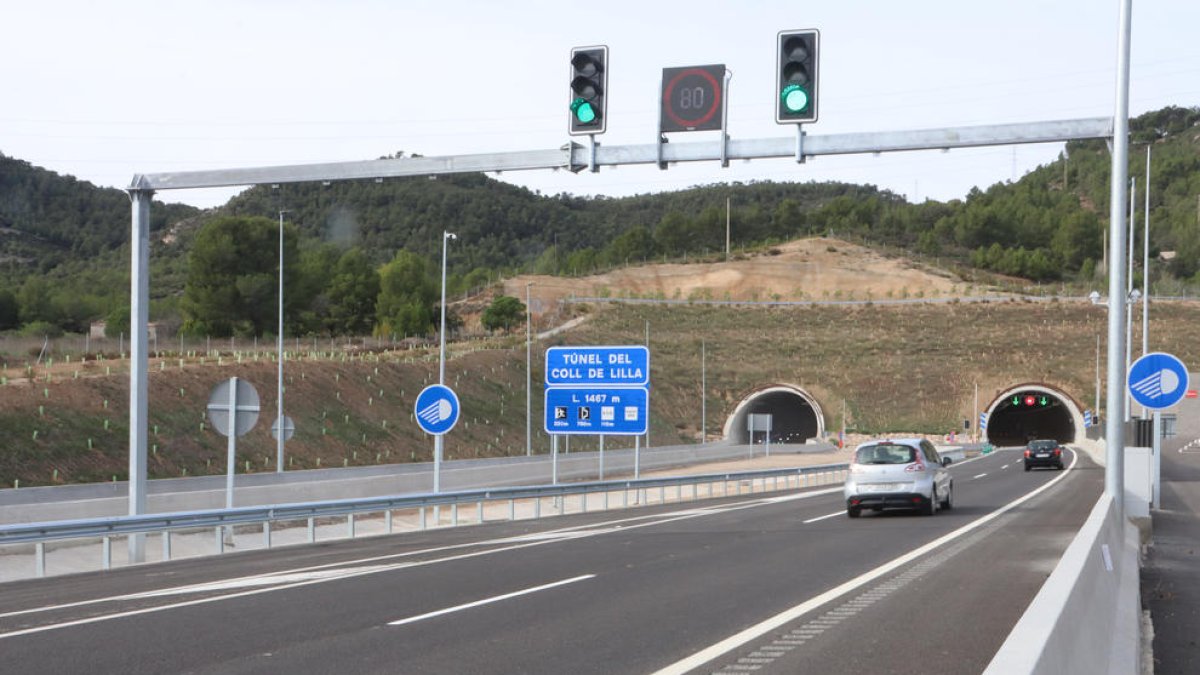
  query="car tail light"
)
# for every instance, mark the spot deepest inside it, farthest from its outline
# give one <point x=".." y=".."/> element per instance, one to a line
<point x="1027" y="453"/>
<point x="915" y="467"/>
<point x="1058" y="452"/>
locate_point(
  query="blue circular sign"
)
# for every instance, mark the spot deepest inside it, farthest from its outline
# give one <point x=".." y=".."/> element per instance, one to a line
<point x="436" y="409"/>
<point x="1158" y="380"/>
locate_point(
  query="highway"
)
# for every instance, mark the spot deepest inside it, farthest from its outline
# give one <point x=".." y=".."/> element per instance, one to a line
<point x="782" y="583"/>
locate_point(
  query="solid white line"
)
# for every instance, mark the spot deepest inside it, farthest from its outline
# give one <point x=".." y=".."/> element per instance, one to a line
<point x="979" y="476"/>
<point x="787" y="616"/>
<point x="832" y="515"/>
<point x="488" y="601"/>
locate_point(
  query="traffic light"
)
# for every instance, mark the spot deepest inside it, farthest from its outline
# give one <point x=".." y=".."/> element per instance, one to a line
<point x="796" y="76"/>
<point x="589" y="82"/>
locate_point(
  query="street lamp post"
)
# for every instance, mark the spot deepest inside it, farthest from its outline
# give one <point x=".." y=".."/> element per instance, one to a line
<point x="437" y="440"/>
<point x="528" y="373"/>
<point x="279" y="359"/>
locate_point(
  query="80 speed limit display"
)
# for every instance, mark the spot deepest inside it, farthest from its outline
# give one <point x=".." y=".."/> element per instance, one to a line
<point x="692" y="98"/>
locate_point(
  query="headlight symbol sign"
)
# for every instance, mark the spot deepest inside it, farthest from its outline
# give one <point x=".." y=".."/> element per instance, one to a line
<point x="436" y="409"/>
<point x="1157" y="380"/>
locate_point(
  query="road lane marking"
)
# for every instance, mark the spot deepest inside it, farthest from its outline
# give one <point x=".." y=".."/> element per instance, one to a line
<point x="787" y="616"/>
<point x="1004" y="467"/>
<point x="832" y="515"/>
<point x="354" y="568"/>
<point x="979" y="476"/>
<point x="488" y="601"/>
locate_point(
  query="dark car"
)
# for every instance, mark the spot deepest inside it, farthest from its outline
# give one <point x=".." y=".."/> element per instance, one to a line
<point x="1043" y="453"/>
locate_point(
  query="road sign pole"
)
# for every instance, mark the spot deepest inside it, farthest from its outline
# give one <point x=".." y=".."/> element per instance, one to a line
<point x="231" y="443"/>
<point x="437" y="463"/>
<point x="1156" y="449"/>
<point x="637" y="457"/>
<point x="601" y="456"/>
<point x="554" y="459"/>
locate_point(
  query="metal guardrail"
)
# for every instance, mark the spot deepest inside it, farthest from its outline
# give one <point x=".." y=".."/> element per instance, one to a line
<point x="221" y="519"/>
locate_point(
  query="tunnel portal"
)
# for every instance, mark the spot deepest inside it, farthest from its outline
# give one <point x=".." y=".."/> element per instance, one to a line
<point x="1032" y="412"/>
<point x="795" y="416"/>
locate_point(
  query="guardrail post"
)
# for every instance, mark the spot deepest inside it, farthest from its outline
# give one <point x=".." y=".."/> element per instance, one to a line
<point x="266" y="534"/>
<point x="606" y="500"/>
<point x="454" y="515"/>
<point x="106" y="553"/>
<point x="220" y="539"/>
<point x="695" y="493"/>
<point x="422" y="510"/>
<point x="166" y="545"/>
<point x="662" y="494"/>
<point x="512" y="509"/>
<point x="479" y="511"/>
<point x="387" y="520"/>
<point x="39" y="559"/>
<point x="312" y="530"/>
<point x="583" y="502"/>
<point x="625" y="497"/>
<point x="537" y="507"/>
<point x="350" y="525"/>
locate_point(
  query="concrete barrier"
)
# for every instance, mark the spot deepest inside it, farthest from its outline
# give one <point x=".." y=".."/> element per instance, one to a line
<point x="1086" y="617"/>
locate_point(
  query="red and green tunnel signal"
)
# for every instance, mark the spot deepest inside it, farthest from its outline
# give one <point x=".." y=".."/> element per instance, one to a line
<point x="1029" y="401"/>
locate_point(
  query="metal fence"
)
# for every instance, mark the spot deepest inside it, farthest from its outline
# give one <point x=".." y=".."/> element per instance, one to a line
<point x="495" y="504"/>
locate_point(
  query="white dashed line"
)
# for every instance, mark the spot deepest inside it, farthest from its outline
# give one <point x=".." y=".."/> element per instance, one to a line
<point x="832" y="515"/>
<point x="979" y="476"/>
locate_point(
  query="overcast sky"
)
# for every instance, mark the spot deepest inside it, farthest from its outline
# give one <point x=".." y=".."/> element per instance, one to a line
<point x="105" y="90"/>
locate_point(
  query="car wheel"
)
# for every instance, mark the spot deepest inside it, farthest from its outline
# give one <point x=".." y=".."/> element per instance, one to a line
<point x="853" y="511"/>
<point x="948" y="502"/>
<point x="1026" y="467"/>
<point x="930" y="507"/>
<point x="1060" y="467"/>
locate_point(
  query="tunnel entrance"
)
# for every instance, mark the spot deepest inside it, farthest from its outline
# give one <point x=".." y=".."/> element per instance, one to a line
<point x="1030" y="412"/>
<point x="795" y="416"/>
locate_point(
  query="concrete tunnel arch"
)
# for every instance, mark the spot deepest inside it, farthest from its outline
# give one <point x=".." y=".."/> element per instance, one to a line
<point x="796" y="415"/>
<point x="1060" y="418"/>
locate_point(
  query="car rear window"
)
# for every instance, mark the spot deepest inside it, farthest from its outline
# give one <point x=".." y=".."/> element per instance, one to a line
<point x="884" y="453"/>
<point x="1043" y="445"/>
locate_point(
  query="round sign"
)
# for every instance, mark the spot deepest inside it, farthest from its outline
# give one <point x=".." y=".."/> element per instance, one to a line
<point x="244" y="401"/>
<point x="1157" y="380"/>
<point x="289" y="429"/>
<point x="436" y="409"/>
<point x="692" y="98"/>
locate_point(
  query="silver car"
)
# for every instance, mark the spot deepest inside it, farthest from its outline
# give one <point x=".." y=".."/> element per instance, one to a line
<point x="899" y="473"/>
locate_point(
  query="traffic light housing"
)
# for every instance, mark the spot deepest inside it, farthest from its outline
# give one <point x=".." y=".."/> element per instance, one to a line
<point x="589" y="84"/>
<point x="796" y="76"/>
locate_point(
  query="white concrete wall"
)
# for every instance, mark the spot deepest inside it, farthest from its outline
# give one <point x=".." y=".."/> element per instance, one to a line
<point x="1086" y="618"/>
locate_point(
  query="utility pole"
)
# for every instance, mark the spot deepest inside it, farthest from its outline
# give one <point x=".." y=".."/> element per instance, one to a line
<point x="703" y="397"/>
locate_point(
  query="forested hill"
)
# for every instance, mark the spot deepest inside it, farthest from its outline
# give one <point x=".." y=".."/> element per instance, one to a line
<point x="63" y="242"/>
<point x="501" y="226"/>
<point x="48" y="219"/>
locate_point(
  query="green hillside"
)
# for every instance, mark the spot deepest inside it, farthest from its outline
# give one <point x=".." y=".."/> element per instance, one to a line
<point x="63" y="253"/>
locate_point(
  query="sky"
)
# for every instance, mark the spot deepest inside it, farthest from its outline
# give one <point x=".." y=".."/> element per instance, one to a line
<point x="106" y="90"/>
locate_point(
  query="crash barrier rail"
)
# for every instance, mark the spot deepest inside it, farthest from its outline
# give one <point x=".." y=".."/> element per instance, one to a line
<point x="221" y="521"/>
<point x="1085" y="619"/>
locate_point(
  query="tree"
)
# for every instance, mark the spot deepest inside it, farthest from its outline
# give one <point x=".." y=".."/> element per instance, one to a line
<point x="10" y="314"/>
<point x="232" y="280"/>
<point x="504" y="312"/>
<point x="406" y="297"/>
<point x="352" y="293"/>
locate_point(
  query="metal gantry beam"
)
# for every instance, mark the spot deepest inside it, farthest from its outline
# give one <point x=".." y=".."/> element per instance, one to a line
<point x="577" y="157"/>
<point x="572" y="157"/>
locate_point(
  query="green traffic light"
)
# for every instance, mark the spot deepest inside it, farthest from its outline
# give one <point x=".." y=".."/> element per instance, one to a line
<point x="795" y="98"/>
<point x="583" y="110"/>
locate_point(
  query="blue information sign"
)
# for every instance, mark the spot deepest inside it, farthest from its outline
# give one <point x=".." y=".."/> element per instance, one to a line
<point x="588" y="410"/>
<point x="436" y="409"/>
<point x="598" y="366"/>
<point x="1158" y="380"/>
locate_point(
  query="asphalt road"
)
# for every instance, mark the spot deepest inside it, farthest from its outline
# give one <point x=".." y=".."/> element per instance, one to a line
<point x="660" y="589"/>
<point x="1171" y="570"/>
